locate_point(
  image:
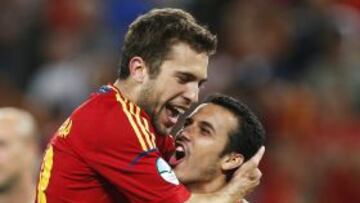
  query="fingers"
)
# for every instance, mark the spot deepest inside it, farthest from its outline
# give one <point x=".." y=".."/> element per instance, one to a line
<point x="255" y="160"/>
<point x="258" y="156"/>
<point x="255" y="175"/>
<point x="244" y="201"/>
<point x="248" y="175"/>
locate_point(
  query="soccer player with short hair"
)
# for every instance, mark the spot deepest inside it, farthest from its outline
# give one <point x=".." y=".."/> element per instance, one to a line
<point x="216" y="139"/>
<point x="113" y="148"/>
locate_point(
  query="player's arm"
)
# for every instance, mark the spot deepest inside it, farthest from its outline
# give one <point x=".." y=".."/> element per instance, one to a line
<point x="245" y="179"/>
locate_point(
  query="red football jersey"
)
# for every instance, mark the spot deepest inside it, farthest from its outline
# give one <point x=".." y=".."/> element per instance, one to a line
<point x="107" y="151"/>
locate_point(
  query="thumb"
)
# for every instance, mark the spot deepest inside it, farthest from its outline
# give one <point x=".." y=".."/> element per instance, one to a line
<point x="254" y="161"/>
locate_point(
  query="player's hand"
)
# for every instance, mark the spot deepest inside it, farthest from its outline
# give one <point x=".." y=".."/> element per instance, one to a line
<point x="248" y="176"/>
<point x="244" y="180"/>
<point x="244" y="201"/>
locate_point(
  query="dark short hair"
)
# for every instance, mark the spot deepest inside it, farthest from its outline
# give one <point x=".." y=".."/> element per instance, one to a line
<point x="151" y="36"/>
<point x="249" y="135"/>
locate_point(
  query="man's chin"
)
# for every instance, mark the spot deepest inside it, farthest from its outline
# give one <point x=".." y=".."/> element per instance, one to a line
<point x="165" y="131"/>
<point x="162" y="130"/>
<point x="181" y="176"/>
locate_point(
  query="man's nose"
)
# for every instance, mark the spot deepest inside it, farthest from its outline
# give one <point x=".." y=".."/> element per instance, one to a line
<point x="184" y="134"/>
<point x="191" y="94"/>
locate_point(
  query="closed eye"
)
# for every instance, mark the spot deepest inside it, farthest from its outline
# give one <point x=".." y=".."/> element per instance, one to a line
<point x="185" y="77"/>
<point x="205" y="131"/>
<point x="206" y="127"/>
<point x="188" y="77"/>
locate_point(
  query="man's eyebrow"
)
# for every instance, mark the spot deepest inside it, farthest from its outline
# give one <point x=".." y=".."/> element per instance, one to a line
<point x="208" y="125"/>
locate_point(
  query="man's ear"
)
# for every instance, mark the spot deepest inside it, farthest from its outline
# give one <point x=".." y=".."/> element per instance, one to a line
<point x="231" y="161"/>
<point x="137" y="69"/>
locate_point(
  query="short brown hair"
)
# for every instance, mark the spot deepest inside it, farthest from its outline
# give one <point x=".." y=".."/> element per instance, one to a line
<point x="151" y="36"/>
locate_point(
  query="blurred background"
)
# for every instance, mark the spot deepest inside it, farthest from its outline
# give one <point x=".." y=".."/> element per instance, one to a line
<point x="295" y="62"/>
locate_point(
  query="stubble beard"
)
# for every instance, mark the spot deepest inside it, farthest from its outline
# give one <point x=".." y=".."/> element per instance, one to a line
<point x="148" y="104"/>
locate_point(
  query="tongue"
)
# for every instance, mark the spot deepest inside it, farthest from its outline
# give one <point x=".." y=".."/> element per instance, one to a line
<point x="173" y="161"/>
<point x="173" y="119"/>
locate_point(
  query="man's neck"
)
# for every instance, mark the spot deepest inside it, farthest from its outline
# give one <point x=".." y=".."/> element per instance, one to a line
<point x="127" y="89"/>
<point x="207" y="187"/>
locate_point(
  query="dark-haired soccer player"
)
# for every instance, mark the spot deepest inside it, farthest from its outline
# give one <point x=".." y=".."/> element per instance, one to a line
<point x="216" y="139"/>
<point x="110" y="149"/>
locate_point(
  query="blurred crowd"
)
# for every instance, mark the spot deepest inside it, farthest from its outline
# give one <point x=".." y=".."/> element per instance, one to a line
<point x="296" y="62"/>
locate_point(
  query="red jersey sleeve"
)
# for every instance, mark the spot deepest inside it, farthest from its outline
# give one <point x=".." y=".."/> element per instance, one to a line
<point x="117" y="142"/>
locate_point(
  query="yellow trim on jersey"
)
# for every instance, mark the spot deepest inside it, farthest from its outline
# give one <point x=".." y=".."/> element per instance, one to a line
<point x="45" y="174"/>
<point x="132" y="122"/>
<point x="133" y="114"/>
<point x="65" y="128"/>
<point x="148" y="130"/>
<point x="142" y="127"/>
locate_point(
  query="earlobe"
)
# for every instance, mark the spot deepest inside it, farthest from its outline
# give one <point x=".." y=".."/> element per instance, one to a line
<point x="231" y="161"/>
<point x="137" y="69"/>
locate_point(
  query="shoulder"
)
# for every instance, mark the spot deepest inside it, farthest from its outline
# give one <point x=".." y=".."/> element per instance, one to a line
<point x="101" y="109"/>
<point x="98" y="105"/>
<point x="98" y="119"/>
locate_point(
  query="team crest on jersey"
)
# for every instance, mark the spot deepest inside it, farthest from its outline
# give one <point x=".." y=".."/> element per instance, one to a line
<point x="65" y="128"/>
<point x="166" y="172"/>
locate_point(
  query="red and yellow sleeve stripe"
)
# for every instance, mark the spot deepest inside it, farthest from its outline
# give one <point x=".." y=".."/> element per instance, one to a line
<point x="139" y="124"/>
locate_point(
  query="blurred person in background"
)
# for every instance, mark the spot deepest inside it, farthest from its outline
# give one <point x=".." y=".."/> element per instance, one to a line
<point x="216" y="139"/>
<point x="20" y="37"/>
<point x="18" y="155"/>
<point x="72" y="54"/>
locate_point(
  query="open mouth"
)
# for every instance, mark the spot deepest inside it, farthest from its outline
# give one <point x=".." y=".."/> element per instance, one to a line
<point x="178" y="156"/>
<point x="174" y="112"/>
<point x="179" y="152"/>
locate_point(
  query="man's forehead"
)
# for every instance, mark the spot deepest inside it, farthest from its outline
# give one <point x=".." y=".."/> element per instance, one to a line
<point x="181" y="53"/>
<point x="197" y="109"/>
<point x="209" y="112"/>
<point x="214" y="114"/>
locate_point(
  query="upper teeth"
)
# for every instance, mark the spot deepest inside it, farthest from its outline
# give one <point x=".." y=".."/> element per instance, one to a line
<point x="179" y="148"/>
<point x="181" y="111"/>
